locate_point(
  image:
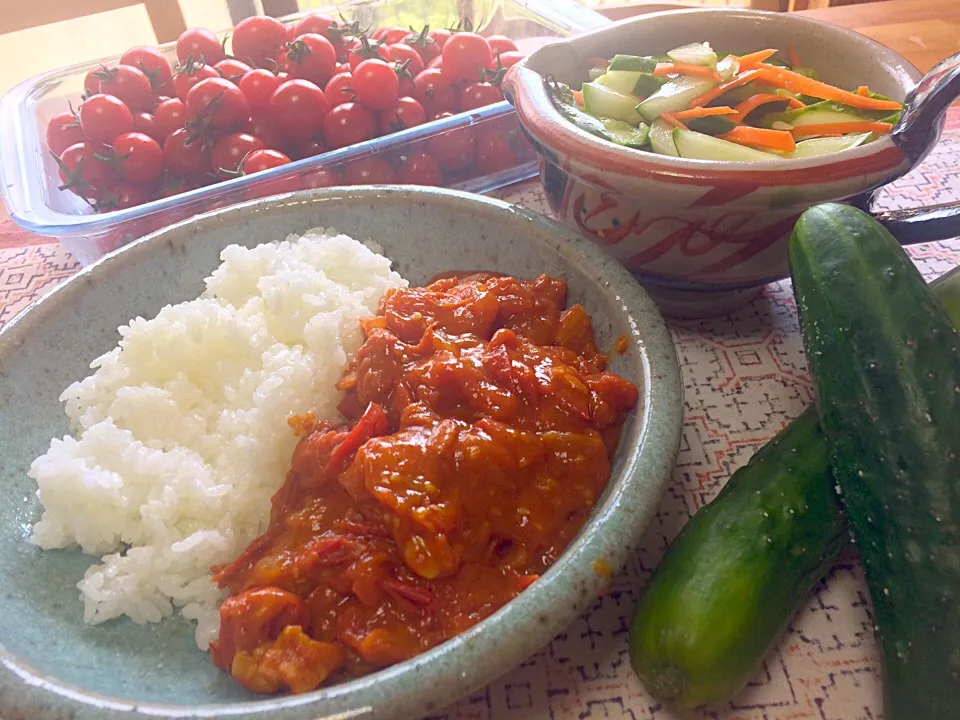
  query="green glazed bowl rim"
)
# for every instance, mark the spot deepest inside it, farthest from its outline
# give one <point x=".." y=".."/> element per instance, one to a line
<point x="516" y="631"/>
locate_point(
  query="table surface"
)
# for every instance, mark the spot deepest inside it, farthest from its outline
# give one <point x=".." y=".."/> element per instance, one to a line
<point x="745" y="377"/>
<point x="923" y="31"/>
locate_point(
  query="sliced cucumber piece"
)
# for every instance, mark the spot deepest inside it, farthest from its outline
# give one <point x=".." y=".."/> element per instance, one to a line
<point x="815" y="147"/>
<point x="647" y="85"/>
<point x="601" y="101"/>
<point x="583" y="120"/>
<point x="673" y="96"/>
<point x="816" y="114"/>
<point x="623" y="81"/>
<point x="728" y="67"/>
<point x="694" y="54"/>
<point x="698" y="146"/>
<point x="623" y="133"/>
<point x="633" y="63"/>
<point x="661" y="139"/>
<point x="715" y="125"/>
<point x="807" y="71"/>
<point x="596" y="72"/>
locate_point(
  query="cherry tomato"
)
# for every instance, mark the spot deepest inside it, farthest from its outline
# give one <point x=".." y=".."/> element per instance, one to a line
<point x="340" y="89"/>
<point x="63" y="130"/>
<point x="424" y="45"/>
<point x="401" y="53"/>
<point x="170" y="115"/>
<point x="465" y="54"/>
<point x="505" y="60"/>
<point x="140" y="157"/>
<point x="91" y="82"/>
<point x="310" y="148"/>
<point x="362" y="49"/>
<point x="493" y="152"/>
<point x="375" y="84"/>
<point x="189" y="75"/>
<point x="257" y="86"/>
<point x="144" y="122"/>
<point x="151" y="62"/>
<point x="200" y="43"/>
<point x="453" y="149"/>
<point x="321" y="179"/>
<point x="299" y="107"/>
<point x="230" y="151"/>
<point x="501" y="44"/>
<point x="311" y="57"/>
<point x="260" y="160"/>
<point x="420" y="169"/>
<point x="348" y="124"/>
<point x="315" y="23"/>
<point x="128" y="84"/>
<point x="218" y="103"/>
<point x="406" y="86"/>
<point x="391" y="35"/>
<point x="437" y="62"/>
<point x="258" y="39"/>
<point x="370" y="170"/>
<point x="172" y="185"/>
<point x="479" y="95"/>
<point x="103" y="117"/>
<point x="435" y="91"/>
<point x="120" y="194"/>
<point x="263" y="126"/>
<point x="403" y="113"/>
<point x="81" y="172"/>
<point x="440" y="37"/>
<point x="232" y="69"/>
<point x="189" y="159"/>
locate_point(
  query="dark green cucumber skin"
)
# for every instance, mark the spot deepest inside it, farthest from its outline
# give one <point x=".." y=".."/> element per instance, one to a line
<point x="674" y="646"/>
<point x="738" y="571"/>
<point x="885" y="358"/>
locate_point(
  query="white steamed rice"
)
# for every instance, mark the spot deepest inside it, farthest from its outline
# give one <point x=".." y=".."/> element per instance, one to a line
<point x="180" y="436"/>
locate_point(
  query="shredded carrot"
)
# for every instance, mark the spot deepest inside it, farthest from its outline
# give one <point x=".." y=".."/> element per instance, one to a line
<point x="761" y="138"/>
<point x="703" y="71"/>
<point x="792" y="56"/>
<point x="577" y="97"/>
<point x="843" y="128"/>
<point x="802" y="85"/>
<point x="863" y="90"/>
<point x="700" y="112"/>
<point x="671" y="120"/>
<point x="734" y="82"/>
<point x="753" y="59"/>
<point x="755" y="101"/>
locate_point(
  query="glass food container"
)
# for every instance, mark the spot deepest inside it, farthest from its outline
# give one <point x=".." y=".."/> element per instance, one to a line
<point x="30" y="178"/>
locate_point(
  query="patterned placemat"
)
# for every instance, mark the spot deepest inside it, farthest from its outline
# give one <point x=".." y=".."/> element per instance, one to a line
<point x="745" y="377"/>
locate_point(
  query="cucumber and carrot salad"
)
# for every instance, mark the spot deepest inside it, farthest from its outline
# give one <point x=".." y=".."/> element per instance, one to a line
<point x="696" y="103"/>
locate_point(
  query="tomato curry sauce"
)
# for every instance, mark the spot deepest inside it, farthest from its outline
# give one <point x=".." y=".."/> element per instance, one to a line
<point x="481" y="422"/>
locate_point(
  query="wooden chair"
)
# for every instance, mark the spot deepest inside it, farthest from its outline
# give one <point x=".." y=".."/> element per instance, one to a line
<point x="166" y="17"/>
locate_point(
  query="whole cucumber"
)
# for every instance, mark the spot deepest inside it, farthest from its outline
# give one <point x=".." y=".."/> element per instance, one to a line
<point x="885" y="357"/>
<point x="738" y="571"/>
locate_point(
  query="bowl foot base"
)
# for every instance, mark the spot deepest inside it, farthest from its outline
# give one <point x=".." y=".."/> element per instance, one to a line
<point x="693" y="304"/>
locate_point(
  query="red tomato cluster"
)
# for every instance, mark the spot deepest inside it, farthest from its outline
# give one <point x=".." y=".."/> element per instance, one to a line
<point x="145" y="130"/>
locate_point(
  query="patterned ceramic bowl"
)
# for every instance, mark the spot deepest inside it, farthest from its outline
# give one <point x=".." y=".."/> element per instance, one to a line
<point x="705" y="236"/>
